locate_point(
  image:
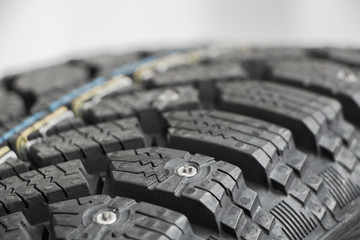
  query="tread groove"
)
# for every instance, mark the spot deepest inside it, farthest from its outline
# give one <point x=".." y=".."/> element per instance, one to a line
<point x="340" y="187"/>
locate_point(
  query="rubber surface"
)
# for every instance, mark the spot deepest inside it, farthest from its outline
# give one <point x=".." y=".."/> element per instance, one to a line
<point x="208" y="143"/>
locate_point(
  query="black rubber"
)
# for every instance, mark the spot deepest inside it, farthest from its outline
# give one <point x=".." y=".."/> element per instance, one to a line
<point x="88" y="143"/>
<point x="74" y="219"/>
<point x="255" y="144"/>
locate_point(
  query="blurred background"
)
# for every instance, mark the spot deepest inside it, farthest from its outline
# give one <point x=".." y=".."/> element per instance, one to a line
<point x="36" y="33"/>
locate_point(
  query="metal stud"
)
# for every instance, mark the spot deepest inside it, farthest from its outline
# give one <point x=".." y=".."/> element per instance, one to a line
<point x="106" y="218"/>
<point x="346" y="75"/>
<point x="187" y="170"/>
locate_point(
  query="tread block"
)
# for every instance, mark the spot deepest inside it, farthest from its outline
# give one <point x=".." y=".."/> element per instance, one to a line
<point x="288" y="170"/>
<point x="145" y="104"/>
<point x="11" y="106"/>
<point x="253" y="59"/>
<point x="40" y="87"/>
<point x="76" y="218"/>
<point x="313" y="119"/>
<point x="332" y="79"/>
<point x="216" y="188"/>
<point x="62" y="76"/>
<point x="12" y="166"/>
<point x="202" y="75"/>
<point x="30" y="192"/>
<point x="88" y="143"/>
<point x="248" y="143"/>
<point x="282" y="178"/>
<point x="197" y="73"/>
<point x="64" y="125"/>
<point x="16" y="226"/>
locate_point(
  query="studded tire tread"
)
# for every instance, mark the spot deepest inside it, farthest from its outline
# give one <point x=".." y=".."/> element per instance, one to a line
<point x="252" y="144"/>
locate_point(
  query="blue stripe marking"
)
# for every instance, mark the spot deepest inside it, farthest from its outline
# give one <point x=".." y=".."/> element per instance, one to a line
<point x="131" y="67"/>
<point x="76" y="92"/>
<point x="26" y="123"/>
<point x="124" y="70"/>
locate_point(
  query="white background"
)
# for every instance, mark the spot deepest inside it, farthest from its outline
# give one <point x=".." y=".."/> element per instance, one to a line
<point x="42" y="32"/>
